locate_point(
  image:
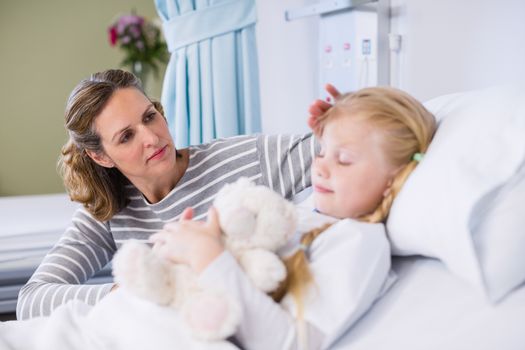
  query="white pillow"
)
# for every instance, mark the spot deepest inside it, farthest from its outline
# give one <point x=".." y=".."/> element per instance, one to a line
<point x="498" y="232"/>
<point x="478" y="147"/>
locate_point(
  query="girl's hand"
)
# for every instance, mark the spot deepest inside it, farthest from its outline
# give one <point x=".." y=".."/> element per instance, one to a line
<point x="194" y="243"/>
<point x="319" y="107"/>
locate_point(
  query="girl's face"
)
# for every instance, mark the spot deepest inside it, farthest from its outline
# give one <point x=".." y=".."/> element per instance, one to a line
<point x="135" y="137"/>
<point x="351" y="175"/>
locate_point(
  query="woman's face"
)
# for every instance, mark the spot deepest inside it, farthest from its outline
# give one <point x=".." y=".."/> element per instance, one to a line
<point x="351" y="174"/>
<point x="135" y="137"/>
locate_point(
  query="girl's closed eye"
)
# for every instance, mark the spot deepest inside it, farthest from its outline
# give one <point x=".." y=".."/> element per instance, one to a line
<point x="345" y="159"/>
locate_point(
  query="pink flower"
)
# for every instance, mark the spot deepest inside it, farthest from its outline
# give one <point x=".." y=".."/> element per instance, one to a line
<point x="135" y="31"/>
<point x="128" y="20"/>
<point x="112" y="31"/>
<point x="140" y="41"/>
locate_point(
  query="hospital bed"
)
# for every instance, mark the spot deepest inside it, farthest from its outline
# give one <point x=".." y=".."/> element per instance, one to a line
<point x="30" y="226"/>
<point x="456" y="231"/>
<point x="430" y="308"/>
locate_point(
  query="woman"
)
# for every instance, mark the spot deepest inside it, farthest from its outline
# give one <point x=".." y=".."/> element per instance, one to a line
<point x="121" y="164"/>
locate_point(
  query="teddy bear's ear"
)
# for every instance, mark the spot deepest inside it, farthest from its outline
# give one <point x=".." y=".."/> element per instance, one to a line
<point x="242" y="184"/>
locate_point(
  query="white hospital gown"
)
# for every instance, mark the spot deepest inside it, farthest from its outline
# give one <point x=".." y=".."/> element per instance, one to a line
<point x="350" y="263"/>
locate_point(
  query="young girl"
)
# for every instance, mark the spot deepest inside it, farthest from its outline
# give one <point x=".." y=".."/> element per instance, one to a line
<point x="371" y="140"/>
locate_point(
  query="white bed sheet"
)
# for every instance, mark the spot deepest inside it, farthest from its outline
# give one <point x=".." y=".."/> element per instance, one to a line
<point x="22" y="215"/>
<point x="429" y="308"/>
<point x="119" y="322"/>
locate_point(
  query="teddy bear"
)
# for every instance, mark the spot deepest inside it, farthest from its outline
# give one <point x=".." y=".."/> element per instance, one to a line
<point x="255" y="223"/>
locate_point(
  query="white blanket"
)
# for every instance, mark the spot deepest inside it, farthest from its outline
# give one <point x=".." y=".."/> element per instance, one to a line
<point x="119" y="321"/>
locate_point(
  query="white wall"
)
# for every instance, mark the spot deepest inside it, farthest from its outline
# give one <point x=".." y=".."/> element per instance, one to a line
<point x="447" y="46"/>
<point x="287" y="66"/>
<point x="452" y="45"/>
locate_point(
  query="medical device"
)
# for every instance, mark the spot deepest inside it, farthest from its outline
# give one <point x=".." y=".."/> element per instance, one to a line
<point x="353" y="49"/>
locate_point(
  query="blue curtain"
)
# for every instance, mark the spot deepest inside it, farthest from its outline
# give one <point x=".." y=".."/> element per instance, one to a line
<point x="211" y="86"/>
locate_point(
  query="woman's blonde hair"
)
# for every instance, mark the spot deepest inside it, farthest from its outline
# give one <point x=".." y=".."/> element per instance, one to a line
<point x="99" y="189"/>
<point x="408" y="128"/>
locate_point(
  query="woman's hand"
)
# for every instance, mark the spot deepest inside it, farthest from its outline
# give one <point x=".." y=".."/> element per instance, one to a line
<point x="319" y="107"/>
<point x="194" y="243"/>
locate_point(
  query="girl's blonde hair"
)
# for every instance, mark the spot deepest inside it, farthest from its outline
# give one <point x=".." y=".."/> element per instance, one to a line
<point x="99" y="189"/>
<point x="408" y="128"/>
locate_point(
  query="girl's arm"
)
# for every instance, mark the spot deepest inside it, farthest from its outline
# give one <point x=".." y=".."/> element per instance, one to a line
<point x="83" y="250"/>
<point x="264" y="323"/>
<point x="349" y="262"/>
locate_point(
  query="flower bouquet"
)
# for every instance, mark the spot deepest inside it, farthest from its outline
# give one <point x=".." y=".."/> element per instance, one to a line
<point x="142" y="43"/>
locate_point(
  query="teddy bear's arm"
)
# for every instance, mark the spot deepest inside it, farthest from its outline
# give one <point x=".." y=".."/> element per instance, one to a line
<point x="263" y="268"/>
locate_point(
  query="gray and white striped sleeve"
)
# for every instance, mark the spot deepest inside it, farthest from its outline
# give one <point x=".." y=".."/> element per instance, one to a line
<point x="83" y="250"/>
<point x="286" y="161"/>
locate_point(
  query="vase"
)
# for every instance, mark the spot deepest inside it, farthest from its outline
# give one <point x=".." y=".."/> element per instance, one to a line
<point x="141" y="71"/>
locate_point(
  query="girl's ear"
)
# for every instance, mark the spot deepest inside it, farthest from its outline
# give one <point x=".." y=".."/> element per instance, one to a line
<point x="101" y="159"/>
